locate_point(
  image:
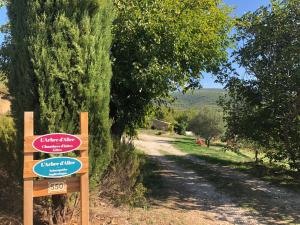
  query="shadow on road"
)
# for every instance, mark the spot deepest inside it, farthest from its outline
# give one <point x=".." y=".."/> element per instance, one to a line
<point x="195" y="188"/>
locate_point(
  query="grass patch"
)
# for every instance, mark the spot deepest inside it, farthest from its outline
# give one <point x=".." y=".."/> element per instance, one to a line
<point x="242" y="161"/>
<point x="214" y="154"/>
<point x="155" y="132"/>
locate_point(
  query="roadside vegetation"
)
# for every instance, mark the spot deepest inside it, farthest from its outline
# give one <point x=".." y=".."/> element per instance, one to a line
<point x="208" y="123"/>
<point x="265" y="109"/>
<point x="124" y="62"/>
<point x="3" y="85"/>
<point x="123" y="182"/>
<point x="243" y="160"/>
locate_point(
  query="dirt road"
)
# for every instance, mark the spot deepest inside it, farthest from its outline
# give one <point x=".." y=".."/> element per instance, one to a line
<point x="256" y="202"/>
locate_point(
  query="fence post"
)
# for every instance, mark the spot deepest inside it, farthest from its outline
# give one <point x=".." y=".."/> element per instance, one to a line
<point x="84" y="179"/>
<point x="28" y="182"/>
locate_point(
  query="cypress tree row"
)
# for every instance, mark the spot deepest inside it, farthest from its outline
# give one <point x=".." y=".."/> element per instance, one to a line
<point x="60" y="66"/>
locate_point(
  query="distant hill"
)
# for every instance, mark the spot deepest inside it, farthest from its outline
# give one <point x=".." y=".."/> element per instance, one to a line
<point x="198" y="98"/>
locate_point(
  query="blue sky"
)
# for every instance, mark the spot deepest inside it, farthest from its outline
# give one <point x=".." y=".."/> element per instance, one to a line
<point x="240" y="7"/>
<point x="3" y="20"/>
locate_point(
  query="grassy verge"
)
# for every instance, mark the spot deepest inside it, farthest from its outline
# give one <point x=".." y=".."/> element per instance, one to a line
<point x="242" y="161"/>
<point x="151" y="178"/>
<point x="156" y="132"/>
<point x="132" y="177"/>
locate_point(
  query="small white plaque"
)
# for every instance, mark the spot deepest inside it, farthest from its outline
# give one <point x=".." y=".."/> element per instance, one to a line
<point x="57" y="187"/>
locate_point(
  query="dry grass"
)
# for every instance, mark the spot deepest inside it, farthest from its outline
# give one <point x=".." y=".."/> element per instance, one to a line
<point x="4" y="106"/>
<point x="105" y="213"/>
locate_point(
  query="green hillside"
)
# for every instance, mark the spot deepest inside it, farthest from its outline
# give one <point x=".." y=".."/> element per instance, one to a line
<point x="198" y="98"/>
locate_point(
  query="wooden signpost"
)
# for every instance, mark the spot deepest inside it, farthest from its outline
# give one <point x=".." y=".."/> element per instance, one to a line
<point x="55" y="172"/>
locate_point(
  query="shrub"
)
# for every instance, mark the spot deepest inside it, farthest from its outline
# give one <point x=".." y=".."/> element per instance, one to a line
<point x="8" y="146"/>
<point x="180" y="128"/>
<point x="3" y="84"/>
<point x="122" y="182"/>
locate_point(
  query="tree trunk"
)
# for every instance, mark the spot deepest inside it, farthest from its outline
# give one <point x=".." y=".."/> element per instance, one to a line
<point x="256" y="156"/>
<point x="117" y="131"/>
<point x="208" y="142"/>
<point x="59" y="208"/>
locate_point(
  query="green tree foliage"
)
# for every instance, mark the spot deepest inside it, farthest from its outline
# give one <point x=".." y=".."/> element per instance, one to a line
<point x="182" y="119"/>
<point x="60" y="66"/>
<point x="2" y="3"/>
<point x="181" y="124"/>
<point x="7" y="144"/>
<point x="164" y="113"/>
<point x="161" y="46"/>
<point x="265" y="109"/>
<point x="207" y="124"/>
<point x="3" y="84"/>
<point x="196" y="99"/>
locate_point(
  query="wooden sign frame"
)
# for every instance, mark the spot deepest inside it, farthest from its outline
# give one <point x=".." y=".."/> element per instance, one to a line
<point x="38" y="188"/>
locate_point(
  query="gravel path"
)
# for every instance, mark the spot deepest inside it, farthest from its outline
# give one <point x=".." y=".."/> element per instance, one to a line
<point x="190" y="191"/>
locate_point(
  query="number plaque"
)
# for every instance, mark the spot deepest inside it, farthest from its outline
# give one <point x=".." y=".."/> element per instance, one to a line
<point x="60" y="187"/>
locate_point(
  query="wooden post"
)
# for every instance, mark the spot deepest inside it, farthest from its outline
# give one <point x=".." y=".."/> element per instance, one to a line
<point x="37" y="188"/>
<point x="28" y="182"/>
<point x="84" y="179"/>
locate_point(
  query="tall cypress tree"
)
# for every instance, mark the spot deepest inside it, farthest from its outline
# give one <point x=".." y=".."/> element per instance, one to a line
<point x="60" y="66"/>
